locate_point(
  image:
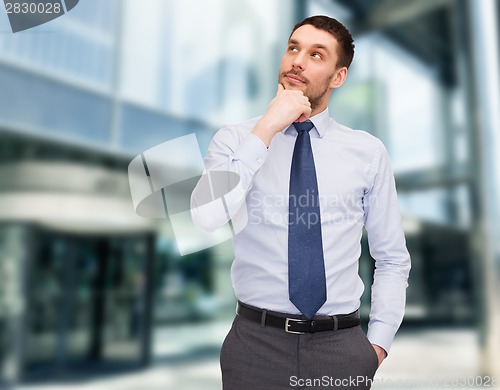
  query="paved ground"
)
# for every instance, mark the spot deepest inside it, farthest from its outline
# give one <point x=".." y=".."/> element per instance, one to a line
<point x="187" y="359"/>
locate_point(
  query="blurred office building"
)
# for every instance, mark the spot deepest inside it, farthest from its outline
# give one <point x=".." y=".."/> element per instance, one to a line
<point x="85" y="283"/>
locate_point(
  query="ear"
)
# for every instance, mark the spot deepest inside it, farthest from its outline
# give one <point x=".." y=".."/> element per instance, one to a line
<point x="339" y="77"/>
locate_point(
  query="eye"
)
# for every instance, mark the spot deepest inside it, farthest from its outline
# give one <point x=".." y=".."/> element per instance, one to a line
<point x="317" y="55"/>
<point x="293" y="49"/>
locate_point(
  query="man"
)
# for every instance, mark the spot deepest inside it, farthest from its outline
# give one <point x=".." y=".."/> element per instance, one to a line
<point x="307" y="187"/>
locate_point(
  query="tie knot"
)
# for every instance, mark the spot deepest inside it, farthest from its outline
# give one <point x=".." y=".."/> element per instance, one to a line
<point x="303" y="126"/>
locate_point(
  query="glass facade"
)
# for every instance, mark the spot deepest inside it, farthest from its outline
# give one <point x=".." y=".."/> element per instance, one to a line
<point x="78" y="46"/>
<point x="141" y="62"/>
<point x="32" y="103"/>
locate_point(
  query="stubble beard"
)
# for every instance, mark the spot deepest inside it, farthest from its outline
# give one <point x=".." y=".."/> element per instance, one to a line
<point x="315" y="97"/>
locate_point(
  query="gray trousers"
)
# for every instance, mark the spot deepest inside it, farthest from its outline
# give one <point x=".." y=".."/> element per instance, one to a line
<point x="256" y="357"/>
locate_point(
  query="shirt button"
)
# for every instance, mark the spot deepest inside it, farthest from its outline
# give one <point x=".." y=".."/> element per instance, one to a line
<point x="259" y="160"/>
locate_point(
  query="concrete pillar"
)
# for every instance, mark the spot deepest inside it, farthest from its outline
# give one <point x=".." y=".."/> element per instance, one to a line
<point x="485" y="69"/>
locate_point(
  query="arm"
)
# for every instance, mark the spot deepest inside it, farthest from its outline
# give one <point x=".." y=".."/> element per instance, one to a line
<point x="231" y="163"/>
<point x="392" y="260"/>
<point x="214" y="200"/>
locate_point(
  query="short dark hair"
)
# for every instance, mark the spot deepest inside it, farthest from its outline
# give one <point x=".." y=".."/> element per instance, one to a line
<point x="340" y="33"/>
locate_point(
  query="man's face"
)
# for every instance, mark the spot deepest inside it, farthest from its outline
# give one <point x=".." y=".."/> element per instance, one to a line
<point x="309" y="64"/>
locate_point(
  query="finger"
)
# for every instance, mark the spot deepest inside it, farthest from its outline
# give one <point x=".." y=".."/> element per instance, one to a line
<point x="281" y="88"/>
<point x="302" y="118"/>
<point x="306" y="113"/>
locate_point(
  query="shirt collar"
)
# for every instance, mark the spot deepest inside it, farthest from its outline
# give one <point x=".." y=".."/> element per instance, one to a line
<point x="320" y="121"/>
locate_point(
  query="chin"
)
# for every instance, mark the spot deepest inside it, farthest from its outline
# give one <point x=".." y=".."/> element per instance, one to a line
<point x="289" y="85"/>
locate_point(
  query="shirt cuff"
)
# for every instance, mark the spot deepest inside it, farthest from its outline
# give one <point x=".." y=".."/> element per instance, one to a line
<point x="252" y="152"/>
<point x="381" y="335"/>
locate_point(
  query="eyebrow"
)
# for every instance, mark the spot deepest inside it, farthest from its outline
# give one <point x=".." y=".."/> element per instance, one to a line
<point x="316" y="45"/>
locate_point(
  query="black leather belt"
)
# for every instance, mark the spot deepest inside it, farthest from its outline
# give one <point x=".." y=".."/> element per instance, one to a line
<point x="295" y="325"/>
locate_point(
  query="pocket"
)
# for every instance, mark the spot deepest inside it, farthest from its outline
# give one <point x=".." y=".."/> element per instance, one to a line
<point x="371" y="351"/>
<point x="374" y="355"/>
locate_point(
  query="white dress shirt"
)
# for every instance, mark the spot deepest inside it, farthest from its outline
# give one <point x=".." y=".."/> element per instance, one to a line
<point x="356" y="188"/>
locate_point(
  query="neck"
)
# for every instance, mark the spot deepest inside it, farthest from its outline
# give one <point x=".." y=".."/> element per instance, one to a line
<point x="320" y="105"/>
<point x="319" y="109"/>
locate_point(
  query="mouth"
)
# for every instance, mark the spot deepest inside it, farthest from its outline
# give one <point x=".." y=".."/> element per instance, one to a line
<point x="294" y="79"/>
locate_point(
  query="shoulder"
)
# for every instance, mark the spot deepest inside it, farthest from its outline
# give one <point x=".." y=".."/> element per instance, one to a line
<point x="360" y="136"/>
<point x="359" y="139"/>
<point x="366" y="145"/>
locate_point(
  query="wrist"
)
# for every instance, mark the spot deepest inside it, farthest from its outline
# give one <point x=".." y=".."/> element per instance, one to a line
<point x="382" y="351"/>
<point x="265" y="131"/>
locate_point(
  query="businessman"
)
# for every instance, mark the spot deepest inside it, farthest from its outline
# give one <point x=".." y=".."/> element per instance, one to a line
<point x="307" y="187"/>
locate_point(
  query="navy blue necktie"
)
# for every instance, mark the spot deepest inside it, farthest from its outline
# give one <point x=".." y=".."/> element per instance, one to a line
<point x="306" y="266"/>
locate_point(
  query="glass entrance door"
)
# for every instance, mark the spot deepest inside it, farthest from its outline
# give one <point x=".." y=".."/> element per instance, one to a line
<point x="88" y="302"/>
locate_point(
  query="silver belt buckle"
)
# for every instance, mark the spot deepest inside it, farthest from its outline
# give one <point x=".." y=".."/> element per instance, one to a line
<point x="287" y="325"/>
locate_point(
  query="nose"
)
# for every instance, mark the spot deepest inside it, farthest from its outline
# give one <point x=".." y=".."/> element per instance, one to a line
<point x="299" y="61"/>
